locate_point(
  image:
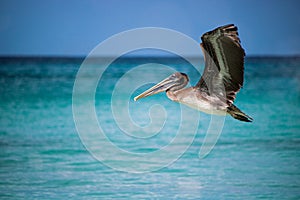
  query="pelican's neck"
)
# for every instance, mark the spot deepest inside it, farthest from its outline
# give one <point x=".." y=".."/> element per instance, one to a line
<point x="172" y="95"/>
<point x="177" y="94"/>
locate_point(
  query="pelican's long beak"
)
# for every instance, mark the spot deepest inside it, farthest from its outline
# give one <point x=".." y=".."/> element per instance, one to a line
<point x="160" y="87"/>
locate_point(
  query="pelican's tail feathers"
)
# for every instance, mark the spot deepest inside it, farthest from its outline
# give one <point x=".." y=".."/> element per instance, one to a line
<point x="238" y="114"/>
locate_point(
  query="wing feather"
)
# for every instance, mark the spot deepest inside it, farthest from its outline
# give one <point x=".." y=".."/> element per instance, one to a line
<point x="224" y="63"/>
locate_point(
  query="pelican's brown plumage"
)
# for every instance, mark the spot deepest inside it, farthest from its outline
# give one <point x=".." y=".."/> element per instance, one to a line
<point x="222" y="78"/>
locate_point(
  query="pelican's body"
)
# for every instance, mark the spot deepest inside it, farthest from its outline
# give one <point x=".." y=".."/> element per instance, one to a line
<point x="222" y="78"/>
<point x="199" y="101"/>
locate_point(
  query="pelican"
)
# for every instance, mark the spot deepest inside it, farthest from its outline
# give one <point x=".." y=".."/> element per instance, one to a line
<point x="222" y="78"/>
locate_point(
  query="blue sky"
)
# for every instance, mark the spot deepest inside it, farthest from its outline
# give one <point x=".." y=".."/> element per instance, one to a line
<point x="74" y="28"/>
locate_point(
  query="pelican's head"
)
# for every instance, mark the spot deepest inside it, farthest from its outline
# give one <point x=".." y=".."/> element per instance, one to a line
<point x="174" y="82"/>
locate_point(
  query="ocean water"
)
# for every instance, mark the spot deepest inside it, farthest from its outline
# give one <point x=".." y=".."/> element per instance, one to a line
<point x="42" y="155"/>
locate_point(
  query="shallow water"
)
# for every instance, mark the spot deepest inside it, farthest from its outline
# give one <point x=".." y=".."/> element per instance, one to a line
<point x="43" y="157"/>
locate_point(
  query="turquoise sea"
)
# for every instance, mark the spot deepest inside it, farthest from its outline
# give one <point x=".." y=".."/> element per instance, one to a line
<point x="42" y="156"/>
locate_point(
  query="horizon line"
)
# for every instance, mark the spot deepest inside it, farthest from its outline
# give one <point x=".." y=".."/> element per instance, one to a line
<point x="27" y="56"/>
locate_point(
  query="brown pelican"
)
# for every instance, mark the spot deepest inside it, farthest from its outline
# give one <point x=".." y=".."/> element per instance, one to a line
<point x="223" y="76"/>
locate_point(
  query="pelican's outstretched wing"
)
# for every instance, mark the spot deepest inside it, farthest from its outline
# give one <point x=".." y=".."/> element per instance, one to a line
<point x="224" y="62"/>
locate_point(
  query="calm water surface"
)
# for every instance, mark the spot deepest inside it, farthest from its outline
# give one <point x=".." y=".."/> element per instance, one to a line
<point x="42" y="157"/>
